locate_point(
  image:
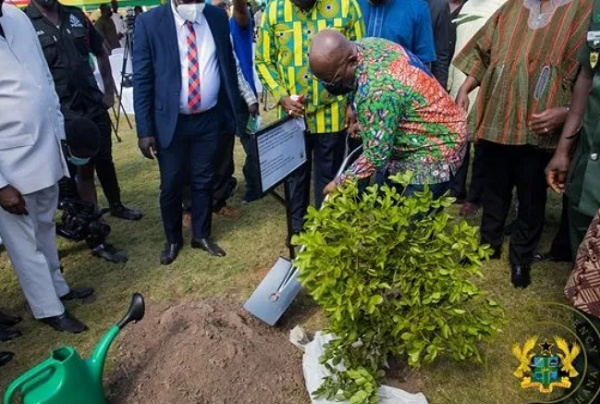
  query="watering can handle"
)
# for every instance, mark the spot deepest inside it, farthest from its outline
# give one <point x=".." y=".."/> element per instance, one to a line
<point x="26" y="377"/>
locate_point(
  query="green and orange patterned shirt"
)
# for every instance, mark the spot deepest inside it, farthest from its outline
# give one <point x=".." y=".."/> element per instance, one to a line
<point x="282" y="56"/>
<point x="407" y="120"/>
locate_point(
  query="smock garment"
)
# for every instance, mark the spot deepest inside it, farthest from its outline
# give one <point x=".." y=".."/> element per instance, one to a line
<point x="525" y="62"/>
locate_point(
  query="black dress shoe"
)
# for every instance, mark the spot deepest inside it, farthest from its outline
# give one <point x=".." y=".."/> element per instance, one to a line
<point x="549" y="257"/>
<point x="170" y="253"/>
<point x="496" y="254"/>
<point x="120" y="211"/>
<point x="9" y="335"/>
<point x="65" y="322"/>
<point x="6" y="357"/>
<point x="520" y="276"/>
<point x="8" y="320"/>
<point x="208" y="246"/>
<point x="78" y="294"/>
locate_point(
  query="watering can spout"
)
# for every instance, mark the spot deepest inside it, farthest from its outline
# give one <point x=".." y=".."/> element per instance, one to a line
<point x="98" y="358"/>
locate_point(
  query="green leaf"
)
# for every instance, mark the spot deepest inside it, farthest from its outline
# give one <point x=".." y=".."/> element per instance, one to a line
<point x="388" y="273"/>
<point x="376" y="300"/>
<point x="359" y="397"/>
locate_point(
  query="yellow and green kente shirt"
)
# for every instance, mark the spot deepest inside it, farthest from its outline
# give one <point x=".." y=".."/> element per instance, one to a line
<point x="282" y="56"/>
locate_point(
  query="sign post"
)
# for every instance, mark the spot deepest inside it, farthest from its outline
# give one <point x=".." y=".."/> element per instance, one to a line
<point x="279" y="150"/>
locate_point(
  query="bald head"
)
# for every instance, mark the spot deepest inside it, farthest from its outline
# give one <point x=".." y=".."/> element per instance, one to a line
<point x="328" y="51"/>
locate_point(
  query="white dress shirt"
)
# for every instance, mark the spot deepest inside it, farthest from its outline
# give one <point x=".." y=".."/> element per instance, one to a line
<point x="210" y="79"/>
<point x="31" y="124"/>
<point x="120" y="26"/>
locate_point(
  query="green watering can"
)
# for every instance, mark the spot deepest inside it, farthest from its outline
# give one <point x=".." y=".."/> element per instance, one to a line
<point x="65" y="378"/>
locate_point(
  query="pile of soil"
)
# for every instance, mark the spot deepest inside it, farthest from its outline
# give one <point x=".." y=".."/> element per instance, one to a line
<point x="209" y="352"/>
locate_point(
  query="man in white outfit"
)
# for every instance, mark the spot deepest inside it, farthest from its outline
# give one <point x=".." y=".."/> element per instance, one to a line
<point x="31" y="164"/>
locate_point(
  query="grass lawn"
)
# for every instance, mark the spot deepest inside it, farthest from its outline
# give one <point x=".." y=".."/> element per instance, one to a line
<point x="253" y="243"/>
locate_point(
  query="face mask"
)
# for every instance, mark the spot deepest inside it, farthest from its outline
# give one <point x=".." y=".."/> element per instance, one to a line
<point x="338" y="88"/>
<point x="78" y="161"/>
<point x="46" y="3"/>
<point x="305" y="4"/>
<point x="190" y="12"/>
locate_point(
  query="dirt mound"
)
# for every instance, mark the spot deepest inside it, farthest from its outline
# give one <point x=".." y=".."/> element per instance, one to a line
<point x="209" y="352"/>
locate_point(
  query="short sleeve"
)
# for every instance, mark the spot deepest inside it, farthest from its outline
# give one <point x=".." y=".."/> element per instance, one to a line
<point x="584" y="55"/>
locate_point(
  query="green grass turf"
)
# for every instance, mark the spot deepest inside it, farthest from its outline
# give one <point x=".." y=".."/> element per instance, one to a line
<point x="252" y="242"/>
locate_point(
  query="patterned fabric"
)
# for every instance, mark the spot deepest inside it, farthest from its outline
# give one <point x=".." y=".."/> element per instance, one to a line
<point x="407" y="120"/>
<point x="583" y="286"/>
<point x="522" y="70"/>
<point x="193" y="70"/>
<point x="282" y="56"/>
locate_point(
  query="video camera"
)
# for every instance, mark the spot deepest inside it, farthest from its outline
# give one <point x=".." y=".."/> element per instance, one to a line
<point x="79" y="221"/>
<point x="130" y="21"/>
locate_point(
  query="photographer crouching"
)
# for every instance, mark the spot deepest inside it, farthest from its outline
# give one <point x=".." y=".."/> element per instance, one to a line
<point x="80" y="220"/>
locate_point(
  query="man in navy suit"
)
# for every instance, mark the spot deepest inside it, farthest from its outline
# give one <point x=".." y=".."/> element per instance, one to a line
<point x="186" y="93"/>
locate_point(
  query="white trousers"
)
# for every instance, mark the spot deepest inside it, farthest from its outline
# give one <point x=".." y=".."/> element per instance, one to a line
<point x="30" y="241"/>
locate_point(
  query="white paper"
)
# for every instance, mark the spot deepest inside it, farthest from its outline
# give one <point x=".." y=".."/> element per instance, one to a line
<point x="281" y="151"/>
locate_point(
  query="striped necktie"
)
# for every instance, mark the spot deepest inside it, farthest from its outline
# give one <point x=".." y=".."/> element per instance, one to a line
<point x="193" y="101"/>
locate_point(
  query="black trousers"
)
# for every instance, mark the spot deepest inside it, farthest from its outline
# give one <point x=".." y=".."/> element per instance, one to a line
<point x="103" y="161"/>
<point x="190" y="156"/>
<point x="326" y="152"/>
<point x="507" y="167"/>
<point x="224" y="182"/>
<point x="561" y="244"/>
<point x="458" y="187"/>
<point x="251" y="174"/>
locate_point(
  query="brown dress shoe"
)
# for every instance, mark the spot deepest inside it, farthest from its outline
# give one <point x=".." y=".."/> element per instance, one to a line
<point x="186" y="220"/>
<point x="228" y="211"/>
<point x="468" y="209"/>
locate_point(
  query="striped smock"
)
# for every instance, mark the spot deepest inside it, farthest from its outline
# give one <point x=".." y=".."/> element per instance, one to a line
<point x="525" y="62"/>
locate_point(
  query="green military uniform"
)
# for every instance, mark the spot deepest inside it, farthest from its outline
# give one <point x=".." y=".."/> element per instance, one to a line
<point x="583" y="185"/>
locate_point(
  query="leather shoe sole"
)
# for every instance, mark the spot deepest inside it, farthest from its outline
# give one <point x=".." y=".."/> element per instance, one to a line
<point x="65" y="323"/>
<point x="6" y="357"/>
<point x="548" y="257"/>
<point x="9" y="335"/>
<point x="170" y="254"/>
<point x="8" y="320"/>
<point x="209" y="247"/>
<point x="520" y="276"/>
<point x="77" y="294"/>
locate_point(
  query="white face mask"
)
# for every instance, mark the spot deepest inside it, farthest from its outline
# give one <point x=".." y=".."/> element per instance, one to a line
<point x="190" y="12"/>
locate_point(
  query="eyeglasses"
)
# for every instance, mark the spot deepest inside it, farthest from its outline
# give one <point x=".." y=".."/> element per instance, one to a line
<point x="332" y="82"/>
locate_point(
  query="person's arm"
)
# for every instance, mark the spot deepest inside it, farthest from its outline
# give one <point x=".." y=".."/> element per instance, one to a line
<point x="266" y="65"/>
<point x="241" y="14"/>
<point x="356" y="30"/>
<point x="378" y="117"/>
<point x="557" y="169"/>
<point x="99" y="50"/>
<point x="441" y="34"/>
<point x="474" y="59"/>
<point x="143" y="89"/>
<point x="245" y="89"/>
<point x="266" y="57"/>
<point x="423" y="45"/>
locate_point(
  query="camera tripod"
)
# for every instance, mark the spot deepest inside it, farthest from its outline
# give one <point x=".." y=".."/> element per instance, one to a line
<point x="126" y="79"/>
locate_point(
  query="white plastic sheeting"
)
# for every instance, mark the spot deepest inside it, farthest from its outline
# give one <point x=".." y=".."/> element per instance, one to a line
<point x="314" y="372"/>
